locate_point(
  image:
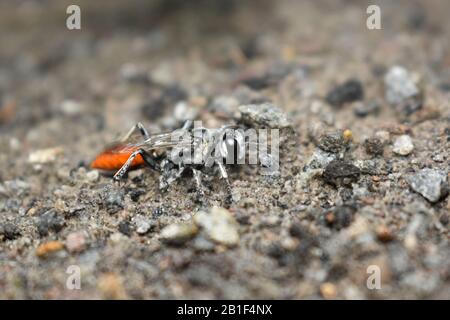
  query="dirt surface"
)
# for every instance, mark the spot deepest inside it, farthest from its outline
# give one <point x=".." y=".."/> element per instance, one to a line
<point x="312" y="231"/>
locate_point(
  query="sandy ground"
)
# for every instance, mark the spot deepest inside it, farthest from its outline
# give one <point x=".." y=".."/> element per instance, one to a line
<point x="304" y="233"/>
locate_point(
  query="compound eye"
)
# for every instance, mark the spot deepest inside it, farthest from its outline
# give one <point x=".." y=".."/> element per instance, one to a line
<point x="233" y="148"/>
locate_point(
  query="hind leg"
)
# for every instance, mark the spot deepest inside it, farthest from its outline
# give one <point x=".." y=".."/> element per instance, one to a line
<point x="138" y="126"/>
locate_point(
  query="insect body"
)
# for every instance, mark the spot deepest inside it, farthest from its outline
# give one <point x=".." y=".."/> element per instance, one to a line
<point x="199" y="150"/>
<point x="205" y="152"/>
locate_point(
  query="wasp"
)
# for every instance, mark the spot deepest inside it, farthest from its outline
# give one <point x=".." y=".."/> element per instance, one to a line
<point x="200" y="150"/>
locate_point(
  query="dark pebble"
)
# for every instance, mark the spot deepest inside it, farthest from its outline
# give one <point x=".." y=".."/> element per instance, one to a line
<point x="49" y="221"/>
<point x="340" y="217"/>
<point x="363" y="109"/>
<point x="136" y="193"/>
<point x="337" y="272"/>
<point x="374" y="146"/>
<point x="9" y="231"/>
<point x="447" y="131"/>
<point x="270" y="78"/>
<point x="349" y="91"/>
<point x="444" y="219"/>
<point x="125" y="228"/>
<point x="346" y="194"/>
<point x="341" y="173"/>
<point x="297" y="231"/>
<point x="332" y="142"/>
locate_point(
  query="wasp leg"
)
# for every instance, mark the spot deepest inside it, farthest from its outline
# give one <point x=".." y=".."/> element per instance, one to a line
<point x="169" y="175"/>
<point x="224" y="175"/>
<point x="147" y="158"/>
<point x="198" y="182"/>
<point x="138" y="126"/>
<point x="187" y="125"/>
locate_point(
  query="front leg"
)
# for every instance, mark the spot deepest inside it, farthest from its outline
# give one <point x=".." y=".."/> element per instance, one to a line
<point x="224" y="175"/>
<point x="200" y="193"/>
<point x="126" y="166"/>
<point x="169" y="174"/>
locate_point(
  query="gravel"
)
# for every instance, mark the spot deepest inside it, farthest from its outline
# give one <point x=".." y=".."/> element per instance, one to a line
<point x="178" y="233"/>
<point x="340" y="217"/>
<point x="142" y="224"/>
<point x="49" y="221"/>
<point x="374" y="146"/>
<point x="333" y="142"/>
<point x="403" y="145"/>
<point x="218" y="225"/>
<point x="265" y="114"/>
<point x="341" y="173"/>
<point x="349" y="91"/>
<point x="76" y="242"/>
<point x="402" y="90"/>
<point x="9" y="231"/>
<point x="430" y="183"/>
<point x="340" y="202"/>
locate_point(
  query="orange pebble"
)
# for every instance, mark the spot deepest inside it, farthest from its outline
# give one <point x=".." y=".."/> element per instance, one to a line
<point x="48" y="247"/>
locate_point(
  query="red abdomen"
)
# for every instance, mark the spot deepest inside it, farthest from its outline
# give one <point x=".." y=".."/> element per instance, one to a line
<point x="114" y="159"/>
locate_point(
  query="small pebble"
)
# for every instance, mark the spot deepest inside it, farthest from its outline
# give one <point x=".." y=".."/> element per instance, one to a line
<point x="430" y="183"/>
<point x="44" y="155"/>
<point x="403" y="145"/>
<point x="71" y="107"/>
<point x="374" y="146"/>
<point x="9" y="231"/>
<point x="47" y="248"/>
<point x="341" y="173"/>
<point x="349" y="91"/>
<point x="125" y="228"/>
<point x="142" y="225"/>
<point x="347" y="134"/>
<point x="341" y="217"/>
<point x="328" y="290"/>
<point x="265" y="114"/>
<point x="178" y="233"/>
<point x="384" y="234"/>
<point x="50" y="221"/>
<point x="114" y="199"/>
<point x="219" y="225"/>
<point x="319" y="160"/>
<point x="92" y="175"/>
<point x="110" y="284"/>
<point x="402" y="90"/>
<point x="333" y="142"/>
<point x="76" y="242"/>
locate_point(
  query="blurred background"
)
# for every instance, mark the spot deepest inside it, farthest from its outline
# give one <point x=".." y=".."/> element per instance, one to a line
<point x="65" y="93"/>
